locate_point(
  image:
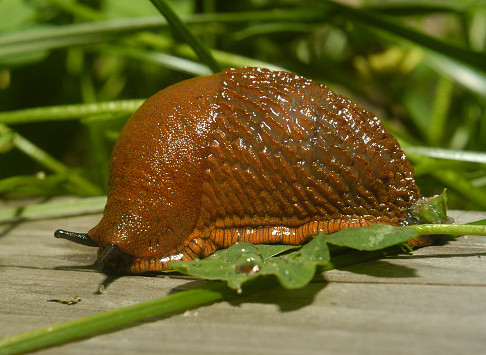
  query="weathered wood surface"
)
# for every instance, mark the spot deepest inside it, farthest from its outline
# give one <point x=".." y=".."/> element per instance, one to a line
<point x="430" y="302"/>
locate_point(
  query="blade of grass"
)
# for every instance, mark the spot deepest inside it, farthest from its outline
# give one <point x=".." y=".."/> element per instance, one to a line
<point x="178" y="26"/>
<point x="225" y="58"/>
<point x="14" y="50"/>
<point x="42" y="38"/>
<point x="465" y="75"/>
<point x="429" y="166"/>
<point x="450" y="154"/>
<point x="81" y="11"/>
<point x="442" y="102"/>
<point x="107" y="28"/>
<point x="272" y="28"/>
<point x="51" y="209"/>
<point x="49" y="162"/>
<point x="452" y="179"/>
<point x="41" y="185"/>
<point x="166" y="60"/>
<point x="69" y="112"/>
<point x="98" y="154"/>
<point x="390" y="25"/>
<point x="407" y="8"/>
<point x="230" y="59"/>
<point x="444" y="173"/>
<point x="103" y="322"/>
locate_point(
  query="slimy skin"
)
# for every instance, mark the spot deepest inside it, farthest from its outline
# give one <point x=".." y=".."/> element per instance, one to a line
<point x="250" y="155"/>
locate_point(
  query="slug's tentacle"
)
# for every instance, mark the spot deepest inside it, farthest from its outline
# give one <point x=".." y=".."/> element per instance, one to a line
<point x="108" y="255"/>
<point x="79" y="238"/>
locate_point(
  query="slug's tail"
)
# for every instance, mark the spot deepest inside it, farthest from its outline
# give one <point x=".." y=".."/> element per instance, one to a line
<point x="80" y="238"/>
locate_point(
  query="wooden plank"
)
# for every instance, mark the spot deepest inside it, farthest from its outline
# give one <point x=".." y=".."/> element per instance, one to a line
<point x="428" y="302"/>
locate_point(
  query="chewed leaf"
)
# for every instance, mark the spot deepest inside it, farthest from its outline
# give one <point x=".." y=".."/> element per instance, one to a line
<point x="375" y="237"/>
<point x="430" y="209"/>
<point x="244" y="261"/>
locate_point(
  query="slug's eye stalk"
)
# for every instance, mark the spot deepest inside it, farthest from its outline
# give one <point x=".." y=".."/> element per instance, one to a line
<point x="111" y="257"/>
<point x="80" y="238"/>
<point x="105" y="255"/>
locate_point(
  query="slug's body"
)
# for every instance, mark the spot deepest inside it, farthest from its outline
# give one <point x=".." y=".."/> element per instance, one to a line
<point x="245" y="155"/>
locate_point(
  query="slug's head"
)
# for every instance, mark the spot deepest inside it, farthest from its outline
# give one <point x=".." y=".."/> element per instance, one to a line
<point x="121" y="243"/>
<point x="109" y="254"/>
<point x="130" y="231"/>
<point x="156" y="175"/>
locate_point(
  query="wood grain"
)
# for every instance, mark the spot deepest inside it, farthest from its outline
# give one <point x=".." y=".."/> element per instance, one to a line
<point x="428" y="302"/>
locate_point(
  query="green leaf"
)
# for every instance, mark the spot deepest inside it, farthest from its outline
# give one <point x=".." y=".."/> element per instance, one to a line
<point x="290" y="274"/>
<point x="295" y="270"/>
<point x="242" y="262"/>
<point x="430" y="210"/>
<point x="375" y="237"/>
<point x="267" y="251"/>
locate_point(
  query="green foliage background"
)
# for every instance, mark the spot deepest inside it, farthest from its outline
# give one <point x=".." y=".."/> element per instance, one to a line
<point x="71" y="72"/>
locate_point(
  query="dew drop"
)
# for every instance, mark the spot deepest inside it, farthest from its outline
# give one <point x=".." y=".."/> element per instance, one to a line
<point x="234" y="252"/>
<point x="248" y="264"/>
<point x="196" y="262"/>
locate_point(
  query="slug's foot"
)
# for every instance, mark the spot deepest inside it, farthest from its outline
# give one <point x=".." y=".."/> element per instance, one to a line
<point x="196" y="248"/>
<point x="421" y="241"/>
<point x="225" y="237"/>
<point x="111" y="257"/>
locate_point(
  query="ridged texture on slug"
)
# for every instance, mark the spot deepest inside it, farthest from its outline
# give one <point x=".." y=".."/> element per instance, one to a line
<point x="287" y="151"/>
<point x="248" y="155"/>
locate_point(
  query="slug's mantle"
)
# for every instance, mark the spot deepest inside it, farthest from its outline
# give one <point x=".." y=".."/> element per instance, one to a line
<point x="250" y="155"/>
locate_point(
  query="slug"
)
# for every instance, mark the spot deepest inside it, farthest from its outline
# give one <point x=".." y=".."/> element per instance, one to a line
<point x="251" y="155"/>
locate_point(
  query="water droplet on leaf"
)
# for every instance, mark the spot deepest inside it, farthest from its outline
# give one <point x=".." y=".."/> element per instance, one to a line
<point x="234" y="252"/>
<point x="196" y="262"/>
<point x="248" y="264"/>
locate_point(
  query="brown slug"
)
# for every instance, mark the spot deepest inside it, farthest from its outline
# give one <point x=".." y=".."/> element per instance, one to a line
<point x="250" y="155"/>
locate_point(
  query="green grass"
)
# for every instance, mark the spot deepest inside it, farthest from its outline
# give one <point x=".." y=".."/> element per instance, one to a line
<point x="70" y="76"/>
